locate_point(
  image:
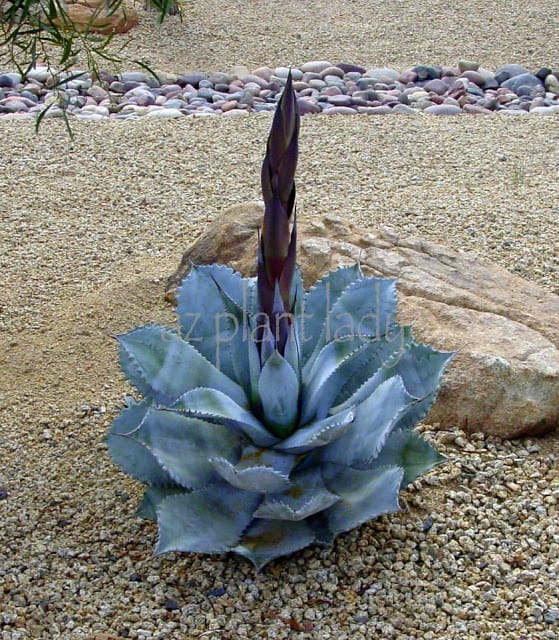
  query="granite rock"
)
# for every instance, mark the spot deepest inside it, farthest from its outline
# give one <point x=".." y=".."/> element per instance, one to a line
<point x="504" y="379"/>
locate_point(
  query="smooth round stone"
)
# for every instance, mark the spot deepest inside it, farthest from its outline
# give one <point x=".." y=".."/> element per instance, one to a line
<point x="41" y="74"/>
<point x="97" y="93"/>
<point x="427" y="72"/>
<point x="81" y="115"/>
<point x="160" y="100"/>
<point x="332" y="71"/>
<point x="12" y="106"/>
<point x="221" y="86"/>
<point x="443" y="110"/>
<point x="333" y="111"/>
<point x="307" y="106"/>
<point x="552" y="83"/>
<point x="508" y="71"/>
<point x="33" y="87"/>
<point x="334" y="81"/>
<point x="316" y="66"/>
<point x="349" y="67"/>
<point x="299" y="85"/>
<point x="407" y="77"/>
<point x="404" y="109"/>
<point x="382" y="74"/>
<point x="269" y="107"/>
<point x="452" y="101"/>
<point x="474" y="90"/>
<point x="246" y="98"/>
<point x="468" y="65"/>
<point x="205" y="84"/>
<point x="528" y="80"/>
<point x="283" y="72"/>
<point x="207" y="94"/>
<point x="164" y="113"/>
<point x="117" y="87"/>
<point x="9" y="80"/>
<point x="164" y="77"/>
<point x="170" y="88"/>
<point x="475" y="77"/>
<point x="220" y="78"/>
<point x="340" y="101"/>
<point x="378" y="111"/>
<point x="235" y="113"/>
<point x="352" y="76"/>
<point x="133" y="76"/>
<point x="489" y="80"/>
<point x="263" y="72"/>
<point x="229" y="105"/>
<point x="309" y="92"/>
<point x="424" y="103"/>
<point x="193" y="78"/>
<point x="476" y="109"/>
<point x="418" y="95"/>
<point x="365" y="83"/>
<point x="252" y="78"/>
<point x="543" y="73"/>
<point x="253" y="89"/>
<point x="132" y="84"/>
<point x="331" y="91"/>
<point x="96" y="109"/>
<point x="30" y="96"/>
<point x="436" y="86"/>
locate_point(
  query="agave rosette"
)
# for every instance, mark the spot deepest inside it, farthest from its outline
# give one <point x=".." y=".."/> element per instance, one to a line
<point x="275" y="418"/>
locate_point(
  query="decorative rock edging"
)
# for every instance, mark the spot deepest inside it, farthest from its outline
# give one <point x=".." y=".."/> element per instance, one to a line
<point x="504" y="379"/>
<point x="321" y="87"/>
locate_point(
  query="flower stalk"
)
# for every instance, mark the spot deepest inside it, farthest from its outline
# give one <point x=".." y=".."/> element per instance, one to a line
<point x="277" y="250"/>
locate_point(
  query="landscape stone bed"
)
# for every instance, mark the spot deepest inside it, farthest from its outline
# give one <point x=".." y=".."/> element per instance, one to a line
<point x="90" y="229"/>
<point x="320" y="85"/>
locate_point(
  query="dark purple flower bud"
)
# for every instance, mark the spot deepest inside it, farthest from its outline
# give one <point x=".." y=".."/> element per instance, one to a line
<point x="276" y="258"/>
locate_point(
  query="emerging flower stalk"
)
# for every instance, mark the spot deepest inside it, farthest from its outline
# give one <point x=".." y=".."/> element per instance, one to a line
<point x="276" y="256"/>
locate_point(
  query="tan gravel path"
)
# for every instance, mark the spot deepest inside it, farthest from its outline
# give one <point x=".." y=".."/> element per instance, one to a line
<point x="88" y="232"/>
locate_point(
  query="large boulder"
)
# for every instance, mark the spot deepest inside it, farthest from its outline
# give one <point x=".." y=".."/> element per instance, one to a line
<point x="504" y="379"/>
<point x="100" y="16"/>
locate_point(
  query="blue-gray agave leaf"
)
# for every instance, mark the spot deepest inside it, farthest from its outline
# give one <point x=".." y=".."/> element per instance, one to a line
<point x="364" y="494"/>
<point x="409" y="451"/>
<point x="278" y="388"/>
<point x="163" y="366"/>
<point x="211" y="520"/>
<point x="258" y="470"/>
<point x="307" y="495"/>
<point x="374" y="420"/>
<point x="153" y="496"/>
<point x="183" y="446"/>
<point x="266" y="540"/>
<point x="421" y="368"/>
<point x="366" y="309"/>
<point x="317" y="434"/>
<point x="204" y="321"/>
<point x="216" y="406"/>
<point x="133" y="457"/>
<point x="318" y="304"/>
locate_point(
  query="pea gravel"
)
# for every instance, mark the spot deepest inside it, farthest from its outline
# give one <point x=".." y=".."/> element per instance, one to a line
<point x="90" y="230"/>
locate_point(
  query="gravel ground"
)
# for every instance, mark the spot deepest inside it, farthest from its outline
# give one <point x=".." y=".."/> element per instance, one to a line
<point x="91" y="229"/>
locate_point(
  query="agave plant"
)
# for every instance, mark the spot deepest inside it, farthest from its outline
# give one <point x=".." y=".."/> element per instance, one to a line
<point x="275" y="418"/>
